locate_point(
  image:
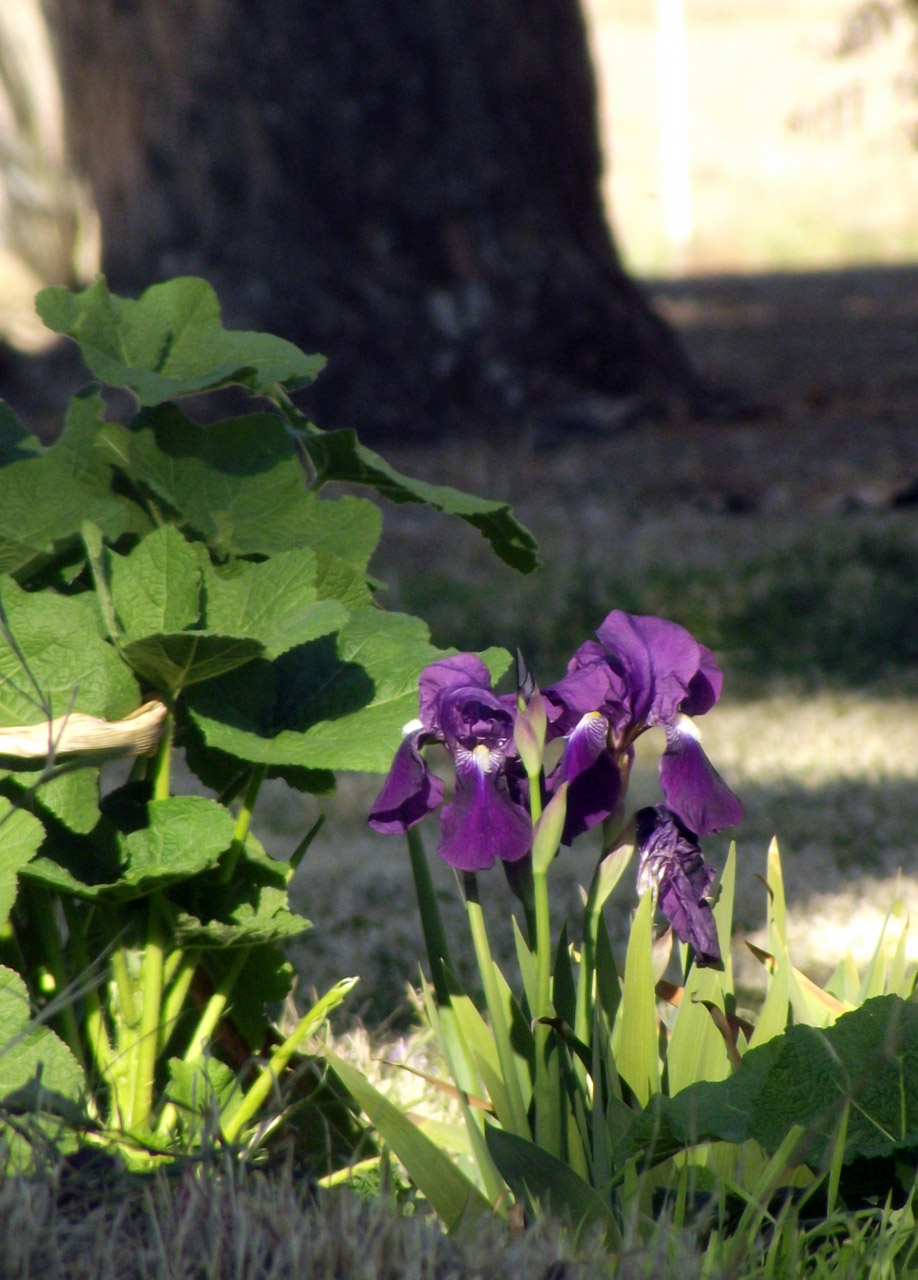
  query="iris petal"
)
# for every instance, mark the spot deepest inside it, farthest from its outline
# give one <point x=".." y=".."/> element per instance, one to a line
<point x="659" y="660"/>
<point x="672" y="859"/>
<point x="410" y="791"/>
<point x="440" y="678"/>
<point x="482" y="823"/>
<point x="692" y="787"/>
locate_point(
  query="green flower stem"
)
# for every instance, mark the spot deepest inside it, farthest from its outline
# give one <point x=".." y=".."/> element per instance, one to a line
<point x="150" y="1017"/>
<point x="547" y="1100"/>
<point x="243" y="821"/>
<point x="268" y="1077"/>
<point x="495" y="1006"/>
<point x="431" y="919"/>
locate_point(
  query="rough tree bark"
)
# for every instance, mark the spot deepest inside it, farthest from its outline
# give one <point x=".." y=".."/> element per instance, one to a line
<point x="410" y="186"/>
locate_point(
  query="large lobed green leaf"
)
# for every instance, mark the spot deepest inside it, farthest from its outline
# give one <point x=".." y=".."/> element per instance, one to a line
<point x="55" y="660"/>
<point x="138" y="846"/>
<point x="177" y="620"/>
<point x="867" y="1062"/>
<point x="238" y="484"/>
<point x="335" y="703"/>
<point x="46" y="494"/>
<point x="170" y="341"/>
<point x="252" y="910"/>
<point x="338" y="455"/>
<point x="21" y="835"/>
<point x="37" y="1070"/>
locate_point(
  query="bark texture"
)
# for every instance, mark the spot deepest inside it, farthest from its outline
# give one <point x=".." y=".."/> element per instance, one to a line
<point x="410" y="186"/>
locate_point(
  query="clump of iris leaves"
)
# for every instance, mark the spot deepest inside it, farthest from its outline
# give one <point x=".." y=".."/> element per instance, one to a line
<point x="147" y="558"/>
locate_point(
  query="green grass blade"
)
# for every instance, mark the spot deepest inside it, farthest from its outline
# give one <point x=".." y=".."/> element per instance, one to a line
<point x="454" y="1199"/>
<point x="634" y="1037"/>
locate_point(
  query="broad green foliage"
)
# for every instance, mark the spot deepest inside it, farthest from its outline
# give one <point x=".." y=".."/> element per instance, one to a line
<point x="170" y="342"/>
<point x="864" y="1069"/>
<point x="199" y="569"/>
<point x="643" y="1085"/>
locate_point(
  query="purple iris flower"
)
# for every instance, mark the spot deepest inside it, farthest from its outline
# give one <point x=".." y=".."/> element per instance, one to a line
<point x="643" y="672"/>
<point x="487" y="817"/>
<point x="671" y="860"/>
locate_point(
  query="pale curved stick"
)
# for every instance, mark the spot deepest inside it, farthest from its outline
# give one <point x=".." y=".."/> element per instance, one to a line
<point x="77" y="734"/>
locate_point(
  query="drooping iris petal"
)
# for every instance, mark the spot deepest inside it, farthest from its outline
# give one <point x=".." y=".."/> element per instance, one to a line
<point x="659" y="660"/>
<point x="692" y="787"/>
<point x="672" y="860"/>
<point x="410" y="791"/>
<point x="482" y="823"/>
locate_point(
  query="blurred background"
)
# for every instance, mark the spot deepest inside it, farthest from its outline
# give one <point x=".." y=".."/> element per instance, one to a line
<point x="759" y="134"/>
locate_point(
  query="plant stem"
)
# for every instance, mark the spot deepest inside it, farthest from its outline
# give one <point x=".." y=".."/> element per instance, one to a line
<point x="496" y="1011"/>
<point x="547" y="1101"/>
<point x="178" y="973"/>
<point x="162" y="761"/>
<point x="215" y="1007"/>
<point x="97" y="1037"/>
<point x="207" y="1023"/>
<point x="231" y="857"/>
<point x="150" y="1017"/>
<point x="431" y="920"/>
<point x="42" y="907"/>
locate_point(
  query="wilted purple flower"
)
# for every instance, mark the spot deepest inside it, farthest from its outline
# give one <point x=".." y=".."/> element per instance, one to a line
<point x="643" y="672"/>
<point x="487" y="817"/>
<point x="672" y="862"/>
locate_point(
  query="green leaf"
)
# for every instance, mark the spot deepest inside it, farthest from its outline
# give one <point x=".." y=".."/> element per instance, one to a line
<point x="170" y="342"/>
<point x="137" y="847"/>
<point x="173" y="662"/>
<point x="266" y="979"/>
<point x="157" y="587"/>
<point x="339" y="456"/>
<point x="200" y="1090"/>
<point x="21" y="835"/>
<point x="74" y="668"/>
<point x="72" y="797"/>
<point x="634" y="1039"/>
<point x="867" y="1061"/>
<point x="536" y="1177"/>
<point x="239" y="484"/>
<point x="275" y="602"/>
<point x="15" y="442"/>
<point x="184" y="835"/>
<point x="45" y="496"/>
<point x="251" y="910"/>
<point x="333" y="703"/>
<point x="455" y="1200"/>
<point x="30" y="1052"/>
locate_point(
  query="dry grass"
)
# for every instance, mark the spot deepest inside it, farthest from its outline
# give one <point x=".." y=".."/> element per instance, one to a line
<point x="232" y="1225"/>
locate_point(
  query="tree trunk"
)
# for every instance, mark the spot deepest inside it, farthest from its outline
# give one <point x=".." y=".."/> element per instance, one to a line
<point x="410" y="186"/>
